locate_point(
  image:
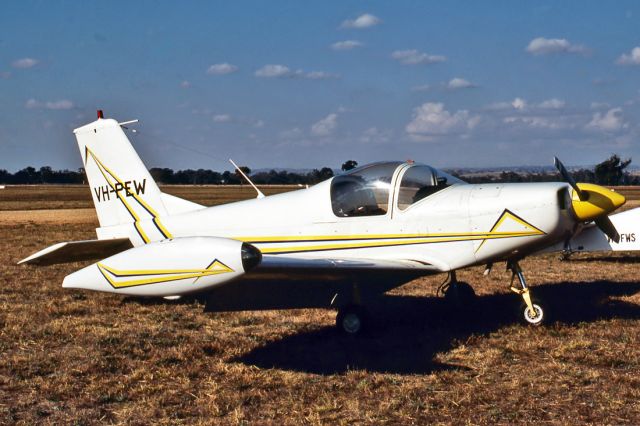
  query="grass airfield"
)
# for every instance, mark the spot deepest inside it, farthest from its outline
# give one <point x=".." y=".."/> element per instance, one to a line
<point x="87" y="358"/>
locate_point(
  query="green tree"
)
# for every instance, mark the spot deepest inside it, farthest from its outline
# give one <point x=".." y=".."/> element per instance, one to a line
<point x="611" y="170"/>
<point x="348" y="165"/>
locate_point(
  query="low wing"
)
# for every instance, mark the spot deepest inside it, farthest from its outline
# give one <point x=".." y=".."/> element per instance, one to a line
<point x="75" y="251"/>
<point x="280" y="282"/>
<point x="271" y="263"/>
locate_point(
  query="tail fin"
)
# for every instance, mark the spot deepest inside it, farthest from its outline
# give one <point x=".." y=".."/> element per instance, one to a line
<point x="626" y="223"/>
<point x="123" y="191"/>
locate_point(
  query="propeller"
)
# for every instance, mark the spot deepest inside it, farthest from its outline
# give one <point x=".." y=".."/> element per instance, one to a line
<point x="569" y="179"/>
<point x="593" y="202"/>
<point x="606" y="226"/>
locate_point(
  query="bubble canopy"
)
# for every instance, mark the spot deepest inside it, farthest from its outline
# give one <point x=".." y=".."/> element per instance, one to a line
<point x="365" y="191"/>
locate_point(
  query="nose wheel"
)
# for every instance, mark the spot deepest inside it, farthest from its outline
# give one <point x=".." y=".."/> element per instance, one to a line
<point x="533" y="317"/>
<point x="531" y="310"/>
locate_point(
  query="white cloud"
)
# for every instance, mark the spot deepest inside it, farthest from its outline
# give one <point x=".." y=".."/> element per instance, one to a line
<point x="632" y="58"/>
<point x="414" y="57"/>
<point x="496" y="106"/>
<point x="431" y="119"/>
<point x="607" y="122"/>
<point x="292" y="133"/>
<point x="258" y="123"/>
<point x="185" y="84"/>
<point x="61" y="104"/>
<point x="541" y="122"/>
<point x="24" y="63"/>
<point x="346" y="45"/>
<point x="545" y="46"/>
<point x="282" y="71"/>
<point x="363" y="21"/>
<point x="373" y="135"/>
<point x="459" y="83"/>
<point x="318" y="75"/>
<point x="273" y="71"/>
<point x="222" y="69"/>
<point x="522" y="105"/>
<point x="325" y="126"/>
<point x="221" y="118"/>
<point x="519" y="104"/>
<point x="553" y="103"/>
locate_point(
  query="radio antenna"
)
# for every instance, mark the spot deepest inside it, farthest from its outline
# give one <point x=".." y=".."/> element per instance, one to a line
<point x="260" y="194"/>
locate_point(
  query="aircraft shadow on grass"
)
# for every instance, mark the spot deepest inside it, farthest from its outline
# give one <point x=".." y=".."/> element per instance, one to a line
<point x="407" y="332"/>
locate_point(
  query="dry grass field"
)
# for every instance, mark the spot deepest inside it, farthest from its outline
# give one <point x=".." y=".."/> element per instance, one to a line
<point x="88" y="358"/>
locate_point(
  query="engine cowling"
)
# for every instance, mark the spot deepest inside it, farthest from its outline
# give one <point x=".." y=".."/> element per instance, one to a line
<point x="168" y="268"/>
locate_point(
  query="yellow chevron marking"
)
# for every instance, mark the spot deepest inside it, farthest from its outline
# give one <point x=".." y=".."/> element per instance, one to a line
<point x="160" y="275"/>
<point x="508" y="215"/>
<point x="151" y="210"/>
<point x="136" y="222"/>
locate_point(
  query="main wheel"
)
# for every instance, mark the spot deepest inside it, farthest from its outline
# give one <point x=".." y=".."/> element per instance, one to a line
<point x="351" y="320"/>
<point x="533" y="318"/>
<point x="460" y="295"/>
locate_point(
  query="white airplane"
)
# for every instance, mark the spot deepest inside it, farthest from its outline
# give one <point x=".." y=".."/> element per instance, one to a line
<point x="336" y="244"/>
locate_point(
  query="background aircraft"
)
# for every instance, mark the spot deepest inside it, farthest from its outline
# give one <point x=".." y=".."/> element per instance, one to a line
<point x="336" y="244"/>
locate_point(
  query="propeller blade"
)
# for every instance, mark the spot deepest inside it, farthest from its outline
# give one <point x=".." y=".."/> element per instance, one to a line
<point x="606" y="226"/>
<point x="567" y="177"/>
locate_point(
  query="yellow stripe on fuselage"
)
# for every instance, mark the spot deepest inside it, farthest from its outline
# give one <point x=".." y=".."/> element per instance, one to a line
<point x="372" y="241"/>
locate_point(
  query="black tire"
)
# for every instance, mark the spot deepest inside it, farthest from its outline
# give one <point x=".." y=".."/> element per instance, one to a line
<point x="352" y="320"/>
<point x="460" y="295"/>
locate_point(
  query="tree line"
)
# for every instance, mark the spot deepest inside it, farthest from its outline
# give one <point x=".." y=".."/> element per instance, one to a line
<point x="609" y="172"/>
<point x="46" y="175"/>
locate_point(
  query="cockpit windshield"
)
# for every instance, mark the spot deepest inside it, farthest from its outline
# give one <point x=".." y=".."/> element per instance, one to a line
<point x="420" y="181"/>
<point x="363" y="191"/>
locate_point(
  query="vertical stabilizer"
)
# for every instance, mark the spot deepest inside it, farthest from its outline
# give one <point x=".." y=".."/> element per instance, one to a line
<point x="122" y="189"/>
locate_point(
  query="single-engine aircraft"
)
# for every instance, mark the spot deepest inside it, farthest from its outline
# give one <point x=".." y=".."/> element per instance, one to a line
<point x="336" y="244"/>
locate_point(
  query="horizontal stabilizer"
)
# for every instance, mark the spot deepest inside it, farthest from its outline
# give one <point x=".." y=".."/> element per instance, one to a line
<point x="176" y="205"/>
<point x="75" y="251"/>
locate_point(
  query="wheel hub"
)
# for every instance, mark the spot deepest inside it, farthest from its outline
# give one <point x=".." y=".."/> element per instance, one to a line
<point x="351" y="323"/>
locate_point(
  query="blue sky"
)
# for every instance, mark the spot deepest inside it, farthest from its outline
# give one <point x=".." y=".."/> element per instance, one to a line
<point x="310" y="84"/>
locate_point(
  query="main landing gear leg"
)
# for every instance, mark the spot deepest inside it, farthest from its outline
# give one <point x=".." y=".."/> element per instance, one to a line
<point x="353" y="318"/>
<point x="458" y="293"/>
<point x="532" y="312"/>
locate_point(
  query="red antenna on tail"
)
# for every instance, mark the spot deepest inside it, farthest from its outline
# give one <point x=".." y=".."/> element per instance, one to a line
<point x="100" y="114"/>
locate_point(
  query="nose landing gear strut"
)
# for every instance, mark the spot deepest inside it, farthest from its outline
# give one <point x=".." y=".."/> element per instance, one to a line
<point x="533" y="313"/>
